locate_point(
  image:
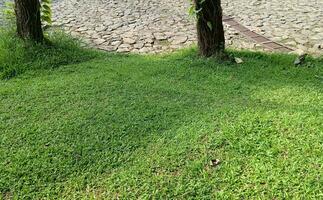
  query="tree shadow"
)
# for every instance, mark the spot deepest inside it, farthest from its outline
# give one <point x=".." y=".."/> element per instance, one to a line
<point x="76" y="126"/>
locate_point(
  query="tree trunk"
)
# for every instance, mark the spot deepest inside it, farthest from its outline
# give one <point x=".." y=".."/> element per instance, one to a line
<point x="211" y="41"/>
<point x="28" y="20"/>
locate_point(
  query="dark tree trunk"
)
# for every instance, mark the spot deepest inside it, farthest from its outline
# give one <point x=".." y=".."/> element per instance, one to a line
<point x="211" y="41"/>
<point x="28" y="20"/>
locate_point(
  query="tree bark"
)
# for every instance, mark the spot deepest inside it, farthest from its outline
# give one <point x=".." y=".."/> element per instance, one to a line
<point x="28" y="20"/>
<point x="211" y="41"/>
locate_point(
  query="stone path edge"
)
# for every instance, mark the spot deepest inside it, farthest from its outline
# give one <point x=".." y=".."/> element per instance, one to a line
<point x="251" y="35"/>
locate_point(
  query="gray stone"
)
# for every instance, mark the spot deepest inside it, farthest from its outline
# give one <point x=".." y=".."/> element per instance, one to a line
<point x="138" y="45"/>
<point x="149" y="41"/>
<point x="148" y="45"/>
<point x="129" y="41"/>
<point x="291" y="43"/>
<point x="116" y="43"/>
<point x="99" y="41"/>
<point x="145" y="50"/>
<point x="238" y="60"/>
<point x="124" y="48"/>
<point x="179" y="40"/>
<point x="81" y="29"/>
<point x="160" y="36"/>
<point x="101" y="28"/>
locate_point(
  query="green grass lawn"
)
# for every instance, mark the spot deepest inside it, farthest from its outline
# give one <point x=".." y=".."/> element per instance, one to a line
<point x="147" y="127"/>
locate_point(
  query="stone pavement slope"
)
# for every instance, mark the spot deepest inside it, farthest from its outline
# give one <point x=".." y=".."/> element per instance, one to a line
<point x="295" y="23"/>
<point x="159" y="25"/>
<point x="134" y="25"/>
<point x="153" y="26"/>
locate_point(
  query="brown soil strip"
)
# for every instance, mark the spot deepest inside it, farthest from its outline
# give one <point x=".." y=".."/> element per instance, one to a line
<point x="259" y="39"/>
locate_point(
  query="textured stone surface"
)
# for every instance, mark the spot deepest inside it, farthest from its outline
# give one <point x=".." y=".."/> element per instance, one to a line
<point x="139" y="26"/>
<point x="295" y="23"/>
<point x="164" y="25"/>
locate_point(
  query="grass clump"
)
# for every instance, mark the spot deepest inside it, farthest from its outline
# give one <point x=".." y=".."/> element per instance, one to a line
<point x="18" y="56"/>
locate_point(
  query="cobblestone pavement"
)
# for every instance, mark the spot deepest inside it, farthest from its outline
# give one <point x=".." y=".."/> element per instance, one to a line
<point x="295" y="23"/>
<point x="153" y="26"/>
<point x="133" y="25"/>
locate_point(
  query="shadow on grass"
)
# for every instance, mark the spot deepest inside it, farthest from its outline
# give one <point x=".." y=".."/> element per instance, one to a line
<point x="17" y="56"/>
<point x="68" y="129"/>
